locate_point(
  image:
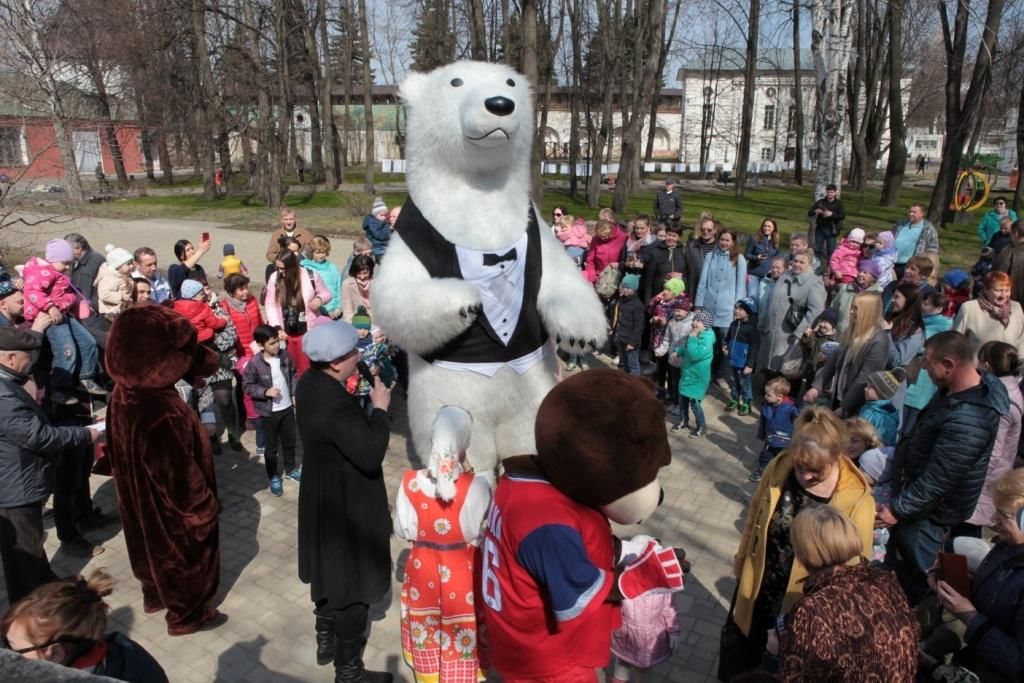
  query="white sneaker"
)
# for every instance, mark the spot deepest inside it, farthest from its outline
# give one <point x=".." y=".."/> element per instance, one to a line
<point x="570" y="366"/>
<point x="260" y="451"/>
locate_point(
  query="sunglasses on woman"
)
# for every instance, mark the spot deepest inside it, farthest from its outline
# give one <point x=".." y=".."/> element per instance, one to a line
<point x="56" y="641"/>
<point x="557" y="215"/>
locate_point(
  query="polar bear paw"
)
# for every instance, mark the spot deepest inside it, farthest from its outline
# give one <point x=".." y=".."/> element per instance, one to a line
<point x="577" y="328"/>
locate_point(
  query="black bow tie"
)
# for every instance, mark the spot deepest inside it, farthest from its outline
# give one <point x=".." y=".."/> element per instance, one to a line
<point x="495" y="259"/>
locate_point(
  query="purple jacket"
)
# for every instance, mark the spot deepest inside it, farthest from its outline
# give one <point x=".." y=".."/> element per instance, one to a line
<point x="256" y="379"/>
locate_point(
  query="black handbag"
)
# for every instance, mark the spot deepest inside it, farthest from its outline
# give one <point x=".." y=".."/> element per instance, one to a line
<point x="794" y="314"/>
<point x="294" y="321"/>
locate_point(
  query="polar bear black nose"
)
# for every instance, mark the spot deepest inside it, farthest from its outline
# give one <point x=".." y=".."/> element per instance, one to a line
<point x="500" y="106"/>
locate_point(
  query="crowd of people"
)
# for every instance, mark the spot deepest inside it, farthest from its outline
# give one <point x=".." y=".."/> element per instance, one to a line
<point x="886" y="396"/>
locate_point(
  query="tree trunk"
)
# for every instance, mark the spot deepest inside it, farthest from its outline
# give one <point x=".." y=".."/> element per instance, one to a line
<point x="961" y="109"/>
<point x="529" y="62"/>
<point x="204" y="100"/>
<point x="831" y="40"/>
<point x="477" y="30"/>
<point x="575" y="95"/>
<point x="897" y="164"/>
<point x="364" y="37"/>
<point x="798" y="98"/>
<point x="108" y="123"/>
<point x="647" y="39"/>
<point x="1018" y="194"/>
<point x="332" y="171"/>
<point x="749" y="75"/>
<point x="663" y="57"/>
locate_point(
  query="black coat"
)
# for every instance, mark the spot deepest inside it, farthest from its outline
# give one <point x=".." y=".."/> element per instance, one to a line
<point x="662" y="262"/>
<point x="631" y="320"/>
<point x="344" y="521"/>
<point x="940" y="466"/>
<point x="668" y="205"/>
<point x="126" y="660"/>
<point x="693" y="257"/>
<point x="84" y="272"/>
<point x="833" y="224"/>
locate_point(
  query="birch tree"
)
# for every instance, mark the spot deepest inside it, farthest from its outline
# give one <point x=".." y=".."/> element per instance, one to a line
<point x="831" y="40"/>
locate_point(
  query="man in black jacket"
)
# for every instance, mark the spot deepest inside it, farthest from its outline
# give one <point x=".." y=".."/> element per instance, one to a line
<point x="667" y="261"/>
<point x="828" y="214"/>
<point x="939" y="468"/>
<point x="668" y="208"/>
<point x="83" y="277"/>
<point x="344" y="521"/>
<point x="28" y="445"/>
<point x="704" y="241"/>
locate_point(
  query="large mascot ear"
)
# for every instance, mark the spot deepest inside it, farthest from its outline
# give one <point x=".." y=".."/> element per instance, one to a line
<point x="412" y="87"/>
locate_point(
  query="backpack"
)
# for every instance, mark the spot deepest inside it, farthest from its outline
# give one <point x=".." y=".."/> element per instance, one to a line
<point x="608" y="281"/>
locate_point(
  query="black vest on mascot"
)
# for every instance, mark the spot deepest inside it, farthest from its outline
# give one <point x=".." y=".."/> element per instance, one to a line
<point x="479" y="343"/>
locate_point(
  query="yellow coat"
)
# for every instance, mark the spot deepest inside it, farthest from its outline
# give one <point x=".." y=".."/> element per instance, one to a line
<point x="852" y="497"/>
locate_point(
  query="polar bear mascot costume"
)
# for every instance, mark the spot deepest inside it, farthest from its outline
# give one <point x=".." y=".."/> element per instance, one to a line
<point x="474" y="285"/>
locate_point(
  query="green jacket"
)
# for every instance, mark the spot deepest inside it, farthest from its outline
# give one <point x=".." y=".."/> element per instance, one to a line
<point x="696" y="373"/>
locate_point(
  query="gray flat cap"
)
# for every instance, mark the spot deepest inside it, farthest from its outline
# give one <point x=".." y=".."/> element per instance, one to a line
<point x="329" y="341"/>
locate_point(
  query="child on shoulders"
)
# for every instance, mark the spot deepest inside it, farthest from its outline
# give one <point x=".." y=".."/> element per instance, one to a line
<point x="231" y="264"/>
<point x="845" y="258"/>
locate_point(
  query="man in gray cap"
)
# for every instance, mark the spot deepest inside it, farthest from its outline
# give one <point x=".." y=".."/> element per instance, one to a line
<point x="28" y="445"/>
<point x="668" y="207"/>
<point x="344" y="521"/>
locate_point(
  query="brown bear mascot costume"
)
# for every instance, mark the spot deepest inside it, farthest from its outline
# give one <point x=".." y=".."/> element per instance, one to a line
<point x="163" y="466"/>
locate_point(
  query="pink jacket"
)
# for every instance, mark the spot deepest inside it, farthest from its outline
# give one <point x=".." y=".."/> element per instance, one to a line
<point x="1004" y="452"/>
<point x="649" y="631"/>
<point x="576" y="236"/>
<point x="312" y="286"/>
<point x="603" y="252"/>
<point x="45" y="287"/>
<point x="845" y="259"/>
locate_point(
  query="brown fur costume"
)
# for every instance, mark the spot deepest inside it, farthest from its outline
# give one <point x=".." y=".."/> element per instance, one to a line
<point x="163" y="465"/>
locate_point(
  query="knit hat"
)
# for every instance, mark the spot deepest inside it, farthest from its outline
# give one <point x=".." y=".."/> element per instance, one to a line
<point x="190" y="288"/>
<point x="987" y="254"/>
<point x="955" y="278"/>
<point x="886" y="382"/>
<point x="59" y="251"/>
<point x="871" y="267"/>
<point x="116" y="256"/>
<point x="705" y="317"/>
<point x="828" y="316"/>
<point x="856" y="235"/>
<point x="630" y="281"/>
<point x="7" y="288"/>
<point x="675" y="286"/>
<point x="379" y="206"/>
<point x="229" y="250"/>
<point x="748" y="304"/>
<point x="887" y="239"/>
<point x="876" y="464"/>
<point x="361" y="319"/>
<point x="670" y="181"/>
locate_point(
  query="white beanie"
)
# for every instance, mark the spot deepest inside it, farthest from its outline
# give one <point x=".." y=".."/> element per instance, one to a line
<point x="116" y="256"/>
<point x="379" y="207"/>
<point x="857" y="235"/>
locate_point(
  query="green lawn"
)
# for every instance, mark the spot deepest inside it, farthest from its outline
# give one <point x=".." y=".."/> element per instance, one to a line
<point x="340" y="213"/>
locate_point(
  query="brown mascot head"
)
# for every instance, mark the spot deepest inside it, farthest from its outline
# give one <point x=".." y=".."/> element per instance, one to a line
<point x="601" y="440"/>
<point x="152" y="347"/>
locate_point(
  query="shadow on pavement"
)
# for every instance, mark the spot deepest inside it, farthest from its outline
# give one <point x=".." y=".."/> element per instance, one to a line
<point x="244" y="654"/>
<point x="238" y="480"/>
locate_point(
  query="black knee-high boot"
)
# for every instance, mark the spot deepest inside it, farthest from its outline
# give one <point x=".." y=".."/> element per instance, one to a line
<point x="349" y="667"/>
<point x="325" y="640"/>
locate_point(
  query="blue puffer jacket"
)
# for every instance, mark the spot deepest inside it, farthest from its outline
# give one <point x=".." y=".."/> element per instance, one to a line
<point x="776" y="424"/>
<point x="722" y="284"/>
<point x="939" y="467"/>
<point x="995" y="636"/>
<point x="756" y="266"/>
<point x="378" y="232"/>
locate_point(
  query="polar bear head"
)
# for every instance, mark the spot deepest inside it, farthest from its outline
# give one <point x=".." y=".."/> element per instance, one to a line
<point x="469" y="121"/>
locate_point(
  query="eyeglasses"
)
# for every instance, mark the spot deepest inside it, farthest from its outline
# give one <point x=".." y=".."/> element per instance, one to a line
<point x="59" y="639"/>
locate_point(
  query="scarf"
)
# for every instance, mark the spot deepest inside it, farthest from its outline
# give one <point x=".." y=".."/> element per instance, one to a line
<point x="1000" y="313"/>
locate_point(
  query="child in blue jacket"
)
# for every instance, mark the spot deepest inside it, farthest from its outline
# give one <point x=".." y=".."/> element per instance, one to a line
<point x="741" y="344"/>
<point x="878" y="408"/>
<point x="778" y="412"/>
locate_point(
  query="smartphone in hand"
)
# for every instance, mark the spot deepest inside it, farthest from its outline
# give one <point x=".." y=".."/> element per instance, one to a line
<point x="206" y="237"/>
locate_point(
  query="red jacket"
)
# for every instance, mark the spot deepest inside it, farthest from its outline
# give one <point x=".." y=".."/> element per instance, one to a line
<point x="201" y="316"/>
<point x="602" y="253"/>
<point x="246" y="321"/>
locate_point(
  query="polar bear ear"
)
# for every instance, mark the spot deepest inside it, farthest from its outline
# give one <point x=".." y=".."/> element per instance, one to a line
<point x="412" y="86"/>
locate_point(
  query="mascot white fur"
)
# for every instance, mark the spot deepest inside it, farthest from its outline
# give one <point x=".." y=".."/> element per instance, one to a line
<point x="474" y="286"/>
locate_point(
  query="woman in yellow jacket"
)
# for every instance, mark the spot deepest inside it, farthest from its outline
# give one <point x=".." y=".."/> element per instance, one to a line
<point x="812" y="471"/>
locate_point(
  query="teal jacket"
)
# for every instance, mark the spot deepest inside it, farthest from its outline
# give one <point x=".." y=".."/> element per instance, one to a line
<point x="990" y="225"/>
<point x="919" y="393"/>
<point x="884" y="418"/>
<point x="331" y="277"/>
<point x="696" y="372"/>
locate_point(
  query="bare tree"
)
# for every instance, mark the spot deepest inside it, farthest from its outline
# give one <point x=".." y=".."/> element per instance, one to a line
<point x="529" y="67"/>
<point x="747" y="116"/>
<point x="798" y="98"/>
<point x="831" y="39"/>
<point x="962" y="109"/>
<point x="897" y="163"/>
<point x="364" y="37"/>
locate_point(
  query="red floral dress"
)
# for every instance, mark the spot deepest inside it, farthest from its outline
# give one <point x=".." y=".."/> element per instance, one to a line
<point x="439" y="622"/>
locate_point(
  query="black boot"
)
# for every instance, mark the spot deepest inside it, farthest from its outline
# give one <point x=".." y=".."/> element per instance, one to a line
<point x="349" y="668"/>
<point x="325" y="640"/>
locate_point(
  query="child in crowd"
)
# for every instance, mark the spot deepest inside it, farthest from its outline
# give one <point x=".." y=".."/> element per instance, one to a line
<point x="885" y="256"/>
<point x="741" y="350"/>
<point x="320" y="249"/>
<point x="441" y="511"/>
<point x="377" y="228"/>
<point x="878" y="408"/>
<point x="648" y="636"/>
<point x="821" y="332"/>
<point x="114" y="283"/>
<point x="193" y="305"/>
<point x="49" y="290"/>
<point x="374" y="352"/>
<point x="230" y="264"/>
<point x="982" y="267"/>
<point x="1001" y="239"/>
<point x="775" y="428"/>
<point x="846" y="256"/>
<point x="956" y="285"/>
<point x="677" y="329"/>
<point x="876" y="465"/>
<point x="860" y="437"/>
<point x="361" y="245"/>
<point x="695" y="378"/>
<point x="245" y="314"/>
<point x="630" y="320"/>
<point x="662" y="308"/>
<point x="572" y="233"/>
<point x="269" y="380"/>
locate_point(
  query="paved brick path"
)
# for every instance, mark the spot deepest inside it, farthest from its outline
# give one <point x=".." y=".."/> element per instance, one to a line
<point x="269" y="634"/>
